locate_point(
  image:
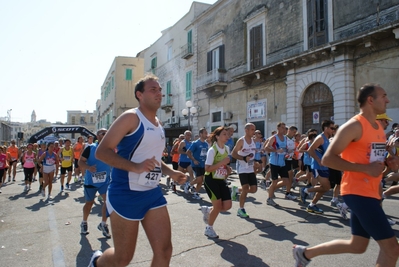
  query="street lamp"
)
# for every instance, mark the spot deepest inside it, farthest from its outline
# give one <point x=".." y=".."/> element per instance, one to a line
<point x="188" y="111"/>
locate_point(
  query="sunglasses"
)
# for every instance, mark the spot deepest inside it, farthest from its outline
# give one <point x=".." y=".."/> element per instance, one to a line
<point x="332" y="128"/>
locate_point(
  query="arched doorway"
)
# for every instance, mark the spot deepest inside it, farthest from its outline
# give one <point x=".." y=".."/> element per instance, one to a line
<point x="317" y="98"/>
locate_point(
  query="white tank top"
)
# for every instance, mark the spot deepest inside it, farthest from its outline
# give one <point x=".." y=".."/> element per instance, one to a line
<point x="247" y="167"/>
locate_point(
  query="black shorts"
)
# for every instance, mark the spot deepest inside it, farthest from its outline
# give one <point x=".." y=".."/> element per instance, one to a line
<point x="291" y="164"/>
<point x="184" y="165"/>
<point x="278" y="170"/>
<point x="12" y="162"/>
<point x="1" y="174"/>
<point x="335" y="177"/>
<point x="38" y="169"/>
<point x="306" y="168"/>
<point x="199" y="171"/>
<point x="216" y="188"/>
<point x="64" y="170"/>
<point x="76" y="163"/>
<point x="248" y="178"/>
<point x="175" y="165"/>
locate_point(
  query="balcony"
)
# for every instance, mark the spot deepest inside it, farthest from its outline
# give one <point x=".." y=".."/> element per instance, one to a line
<point x="213" y="82"/>
<point x="187" y="51"/>
<point x="167" y="107"/>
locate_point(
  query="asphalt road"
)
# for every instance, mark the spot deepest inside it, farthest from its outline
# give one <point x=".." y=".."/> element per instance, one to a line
<point x="35" y="232"/>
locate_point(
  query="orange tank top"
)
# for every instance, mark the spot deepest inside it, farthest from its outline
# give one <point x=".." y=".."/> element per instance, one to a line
<point x="369" y="148"/>
<point x="13" y="152"/>
<point x="175" y="157"/>
<point x="77" y="150"/>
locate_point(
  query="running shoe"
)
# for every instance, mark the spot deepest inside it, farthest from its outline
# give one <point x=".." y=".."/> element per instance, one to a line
<point x="314" y="209"/>
<point x="303" y="196"/>
<point x="192" y="189"/>
<point x="342" y="211"/>
<point x="234" y="193"/>
<point x="186" y="188"/>
<point x="300" y="260"/>
<point x="43" y="193"/>
<point x="391" y="222"/>
<point x="271" y="202"/>
<point x="196" y="196"/>
<point x="242" y="213"/>
<point x="50" y="197"/>
<point x="75" y="179"/>
<point x="67" y="186"/>
<point x="103" y="228"/>
<point x="334" y="203"/>
<point x="83" y="228"/>
<point x="26" y="188"/>
<point x="168" y="182"/>
<point x="94" y="258"/>
<point x="209" y="232"/>
<point x="62" y="188"/>
<point x="205" y="211"/>
<point x="9" y="178"/>
<point x="290" y="196"/>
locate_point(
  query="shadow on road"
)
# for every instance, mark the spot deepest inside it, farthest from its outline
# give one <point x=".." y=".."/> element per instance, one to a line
<point x="237" y="254"/>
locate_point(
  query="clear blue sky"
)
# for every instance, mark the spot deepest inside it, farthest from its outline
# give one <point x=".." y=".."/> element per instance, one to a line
<point x="55" y="55"/>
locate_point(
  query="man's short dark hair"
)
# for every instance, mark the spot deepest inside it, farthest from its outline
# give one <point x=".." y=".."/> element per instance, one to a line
<point x="394" y="125"/>
<point x="326" y="123"/>
<point x="140" y="84"/>
<point x="365" y="91"/>
<point x="202" y="130"/>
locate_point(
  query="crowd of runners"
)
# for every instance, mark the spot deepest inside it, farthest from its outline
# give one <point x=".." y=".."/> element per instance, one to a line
<point x="355" y="161"/>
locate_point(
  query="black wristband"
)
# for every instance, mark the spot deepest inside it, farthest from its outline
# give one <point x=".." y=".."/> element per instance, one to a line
<point x="244" y="159"/>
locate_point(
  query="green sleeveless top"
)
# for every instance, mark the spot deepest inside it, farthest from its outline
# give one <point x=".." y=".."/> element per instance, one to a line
<point x="221" y="172"/>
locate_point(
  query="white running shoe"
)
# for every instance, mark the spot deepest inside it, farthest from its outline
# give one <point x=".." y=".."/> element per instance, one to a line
<point x="196" y="196"/>
<point x="94" y="258"/>
<point x="342" y="211"/>
<point x="300" y="260"/>
<point x="186" y="188"/>
<point x="290" y="196"/>
<point x="209" y="232"/>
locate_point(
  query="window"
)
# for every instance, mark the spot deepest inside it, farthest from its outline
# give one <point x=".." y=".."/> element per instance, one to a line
<point x="190" y="41"/>
<point x="215" y="59"/>
<point x="217" y="116"/>
<point x="82" y="120"/>
<point x="256" y="47"/>
<point x="129" y="73"/>
<point x="168" y="92"/>
<point x="73" y="120"/>
<point x="91" y="119"/>
<point x="317" y="22"/>
<point x="188" y="84"/>
<point x="170" y="53"/>
<point x="112" y="82"/>
<point x="153" y="65"/>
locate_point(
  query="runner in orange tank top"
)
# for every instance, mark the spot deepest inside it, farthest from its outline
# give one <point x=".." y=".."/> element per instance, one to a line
<point x="361" y="142"/>
<point x="77" y="150"/>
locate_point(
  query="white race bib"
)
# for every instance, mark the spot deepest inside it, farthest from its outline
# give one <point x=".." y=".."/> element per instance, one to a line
<point x="150" y="179"/>
<point x="221" y="172"/>
<point x="377" y="152"/>
<point x="99" y="177"/>
<point x="203" y="152"/>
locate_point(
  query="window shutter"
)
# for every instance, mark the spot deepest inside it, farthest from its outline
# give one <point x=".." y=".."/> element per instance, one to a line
<point x="256" y="53"/>
<point x="209" y="61"/>
<point x="221" y="57"/>
<point x="189" y="41"/>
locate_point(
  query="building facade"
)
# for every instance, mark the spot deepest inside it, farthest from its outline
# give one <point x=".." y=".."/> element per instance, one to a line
<point x="84" y="118"/>
<point x="299" y="62"/>
<point x="117" y="91"/>
<point x="173" y="58"/>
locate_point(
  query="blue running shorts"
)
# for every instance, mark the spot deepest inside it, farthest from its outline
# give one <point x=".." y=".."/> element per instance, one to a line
<point x="133" y="205"/>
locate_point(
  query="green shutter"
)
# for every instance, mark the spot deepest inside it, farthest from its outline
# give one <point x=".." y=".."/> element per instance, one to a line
<point x="190" y="41"/>
<point x="168" y="91"/>
<point x="188" y="84"/>
<point x="128" y="74"/>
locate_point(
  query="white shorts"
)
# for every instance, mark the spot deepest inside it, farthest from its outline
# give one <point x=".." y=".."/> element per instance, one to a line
<point x="48" y="169"/>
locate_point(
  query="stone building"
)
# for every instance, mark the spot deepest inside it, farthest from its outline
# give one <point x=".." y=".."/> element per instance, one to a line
<point x="173" y="58"/>
<point x="117" y="91"/>
<point x="265" y="61"/>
